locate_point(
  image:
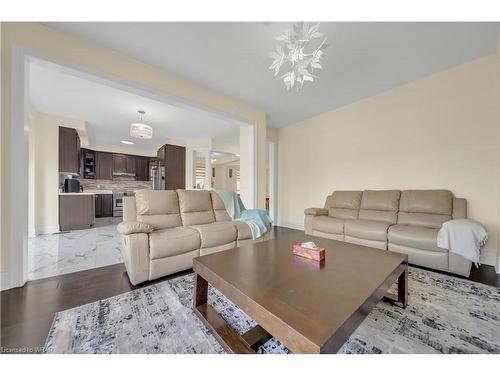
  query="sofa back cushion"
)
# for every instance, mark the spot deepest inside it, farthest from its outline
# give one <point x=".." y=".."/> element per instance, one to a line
<point x="219" y="208"/>
<point x="343" y="204"/>
<point x="159" y="208"/>
<point x="196" y="207"/>
<point x="380" y="205"/>
<point x="425" y="208"/>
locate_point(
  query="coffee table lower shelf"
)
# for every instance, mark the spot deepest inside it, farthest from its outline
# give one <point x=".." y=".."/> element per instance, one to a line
<point x="231" y="340"/>
<point x="228" y="337"/>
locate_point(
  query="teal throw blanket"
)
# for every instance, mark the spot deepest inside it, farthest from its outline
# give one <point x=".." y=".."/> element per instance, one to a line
<point x="258" y="220"/>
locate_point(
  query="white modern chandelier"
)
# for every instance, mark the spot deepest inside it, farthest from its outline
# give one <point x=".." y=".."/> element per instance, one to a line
<point x="141" y="130"/>
<point x="291" y="54"/>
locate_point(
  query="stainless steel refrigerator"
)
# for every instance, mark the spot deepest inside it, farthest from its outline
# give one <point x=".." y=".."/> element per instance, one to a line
<point x="158" y="177"/>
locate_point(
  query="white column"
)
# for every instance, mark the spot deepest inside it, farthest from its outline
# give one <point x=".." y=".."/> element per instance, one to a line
<point x="272" y="181"/>
<point x="248" y="167"/>
<point x="208" y="169"/>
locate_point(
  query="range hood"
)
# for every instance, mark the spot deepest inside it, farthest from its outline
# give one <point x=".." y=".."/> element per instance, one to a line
<point x="123" y="174"/>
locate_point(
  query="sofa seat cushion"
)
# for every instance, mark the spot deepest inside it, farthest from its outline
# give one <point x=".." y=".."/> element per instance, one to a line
<point x="328" y="224"/>
<point x="244" y="231"/>
<point x="173" y="241"/>
<point x="366" y="229"/>
<point x="216" y="234"/>
<point x="415" y="237"/>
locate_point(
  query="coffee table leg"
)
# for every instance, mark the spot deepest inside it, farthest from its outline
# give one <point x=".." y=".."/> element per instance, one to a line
<point x="230" y="340"/>
<point x="403" y="287"/>
<point x="200" y="291"/>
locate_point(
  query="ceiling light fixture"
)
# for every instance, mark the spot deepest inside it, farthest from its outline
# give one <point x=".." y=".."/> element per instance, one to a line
<point x="141" y="130"/>
<point x="128" y="142"/>
<point x="291" y="52"/>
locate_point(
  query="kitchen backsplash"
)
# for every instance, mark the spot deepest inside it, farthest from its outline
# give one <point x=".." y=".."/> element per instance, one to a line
<point x="115" y="185"/>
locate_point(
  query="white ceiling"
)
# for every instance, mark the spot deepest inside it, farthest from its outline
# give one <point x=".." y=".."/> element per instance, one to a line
<point x="109" y="111"/>
<point x="232" y="58"/>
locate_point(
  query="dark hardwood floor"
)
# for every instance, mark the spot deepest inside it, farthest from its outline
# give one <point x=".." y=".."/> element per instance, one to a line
<point x="27" y="312"/>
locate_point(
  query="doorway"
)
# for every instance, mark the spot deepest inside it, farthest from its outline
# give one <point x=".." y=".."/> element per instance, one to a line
<point x="19" y="152"/>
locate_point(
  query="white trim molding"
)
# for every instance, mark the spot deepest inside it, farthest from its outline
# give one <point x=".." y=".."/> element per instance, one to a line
<point x="5" y="280"/>
<point x="47" y="229"/>
<point x="291" y="225"/>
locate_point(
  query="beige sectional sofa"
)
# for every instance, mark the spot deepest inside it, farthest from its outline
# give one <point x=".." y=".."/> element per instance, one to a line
<point x="162" y="231"/>
<point x="402" y="221"/>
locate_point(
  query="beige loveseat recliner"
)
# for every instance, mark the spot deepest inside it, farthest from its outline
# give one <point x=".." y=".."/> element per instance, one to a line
<point x="162" y="231"/>
<point x="402" y="221"/>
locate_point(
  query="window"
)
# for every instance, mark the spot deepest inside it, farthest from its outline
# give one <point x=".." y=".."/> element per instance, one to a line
<point x="200" y="177"/>
<point x="238" y="181"/>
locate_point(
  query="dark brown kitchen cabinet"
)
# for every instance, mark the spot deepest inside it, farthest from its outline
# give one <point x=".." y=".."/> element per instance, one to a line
<point x="103" y="165"/>
<point x="131" y="164"/>
<point x="141" y="168"/>
<point x="76" y="211"/>
<point x="69" y="151"/>
<point x="173" y="158"/>
<point x="124" y="163"/>
<point x="175" y="167"/>
<point x="103" y="205"/>
<point x="119" y="163"/>
<point x="87" y="163"/>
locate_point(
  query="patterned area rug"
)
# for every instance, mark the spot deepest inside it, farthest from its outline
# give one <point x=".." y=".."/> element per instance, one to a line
<point x="445" y="315"/>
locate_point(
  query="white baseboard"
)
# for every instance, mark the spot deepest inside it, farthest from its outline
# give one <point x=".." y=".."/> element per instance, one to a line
<point x="8" y="281"/>
<point x="47" y="229"/>
<point x="5" y="280"/>
<point x="292" y="225"/>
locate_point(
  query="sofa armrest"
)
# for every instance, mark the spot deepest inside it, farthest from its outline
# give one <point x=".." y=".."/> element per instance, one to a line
<point x="131" y="227"/>
<point x="459" y="208"/>
<point x="135" y="252"/>
<point x="316" y="211"/>
<point x="129" y="209"/>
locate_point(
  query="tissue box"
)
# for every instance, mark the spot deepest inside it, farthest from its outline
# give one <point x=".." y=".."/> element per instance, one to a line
<point x="317" y="254"/>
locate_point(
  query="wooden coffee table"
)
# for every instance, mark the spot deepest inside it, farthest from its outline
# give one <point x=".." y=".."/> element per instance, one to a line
<point x="310" y="307"/>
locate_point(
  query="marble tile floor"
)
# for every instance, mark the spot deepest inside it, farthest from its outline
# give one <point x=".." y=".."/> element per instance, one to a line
<point x="61" y="253"/>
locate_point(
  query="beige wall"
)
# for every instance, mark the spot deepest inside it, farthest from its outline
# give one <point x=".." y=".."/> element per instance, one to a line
<point x="81" y="53"/>
<point x="221" y="146"/>
<point x="439" y="132"/>
<point x="222" y="181"/>
<point x="44" y="170"/>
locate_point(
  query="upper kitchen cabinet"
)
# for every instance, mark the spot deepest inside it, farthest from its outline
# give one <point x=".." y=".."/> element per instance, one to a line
<point x="141" y="168"/>
<point x="103" y="165"/>
<point x="131" y="164"/>
<point x="69" y="151"/>
<point x="175" y="167"/>
<point x="88" y="163"/>
<point x="119" y="163"/>
<point x="173" y="158"/>
<point x="124" y="164"/>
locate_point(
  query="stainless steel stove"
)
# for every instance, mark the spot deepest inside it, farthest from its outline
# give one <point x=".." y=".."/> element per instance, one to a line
<point x="118" y="201"/>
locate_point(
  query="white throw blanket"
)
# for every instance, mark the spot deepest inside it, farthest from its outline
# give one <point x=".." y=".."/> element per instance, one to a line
<point x="464" y="237"/>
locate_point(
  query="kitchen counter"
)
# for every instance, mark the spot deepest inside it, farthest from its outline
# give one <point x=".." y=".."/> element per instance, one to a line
<point x="84" y="193"/>
<point x="98" y="191"/>
<point x="89" y="192"/>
